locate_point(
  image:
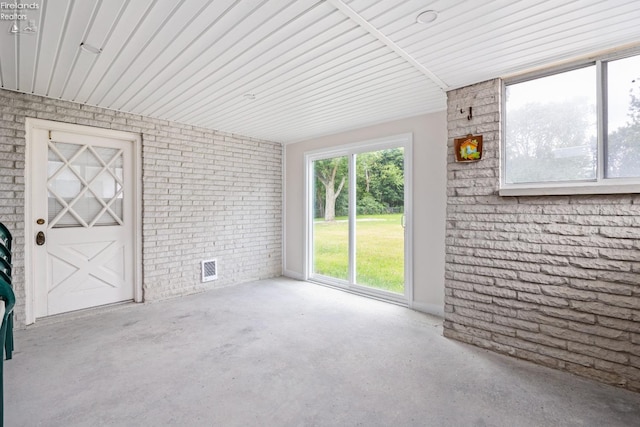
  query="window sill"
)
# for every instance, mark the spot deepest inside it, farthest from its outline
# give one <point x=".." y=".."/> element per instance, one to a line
<point x="565" y="189"/>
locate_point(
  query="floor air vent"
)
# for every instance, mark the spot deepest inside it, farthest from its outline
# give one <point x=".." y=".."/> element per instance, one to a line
<point x="209" y="270"/>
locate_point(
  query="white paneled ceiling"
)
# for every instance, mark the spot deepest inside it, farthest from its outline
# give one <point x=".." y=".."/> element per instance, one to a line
<point x="289" y="70"/>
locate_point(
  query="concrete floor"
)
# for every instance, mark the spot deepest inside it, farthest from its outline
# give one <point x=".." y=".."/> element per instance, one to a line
<point x="284" y="353"/>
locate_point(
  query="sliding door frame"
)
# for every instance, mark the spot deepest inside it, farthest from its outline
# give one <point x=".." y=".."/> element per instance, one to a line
<point x="404" y="141"/>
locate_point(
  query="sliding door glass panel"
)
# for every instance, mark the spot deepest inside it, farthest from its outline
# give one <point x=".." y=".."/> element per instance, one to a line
<point x="379" y="224"/>
<point x="330" y="217"/>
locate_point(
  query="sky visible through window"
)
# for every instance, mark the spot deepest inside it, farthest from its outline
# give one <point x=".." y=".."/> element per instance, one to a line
<point x="552" y="124"/>
<point x="623" y="75"/>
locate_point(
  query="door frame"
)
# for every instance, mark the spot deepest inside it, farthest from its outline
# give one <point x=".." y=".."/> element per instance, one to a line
<point x="395" y="141"/>
<point x="135" y="139"/>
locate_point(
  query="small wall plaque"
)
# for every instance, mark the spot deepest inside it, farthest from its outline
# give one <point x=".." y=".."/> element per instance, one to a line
<point x="468" y="149"/>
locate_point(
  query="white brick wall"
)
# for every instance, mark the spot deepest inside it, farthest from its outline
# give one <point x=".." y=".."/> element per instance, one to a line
<point x="205" y="194"/>
<point x="554" y="280"/>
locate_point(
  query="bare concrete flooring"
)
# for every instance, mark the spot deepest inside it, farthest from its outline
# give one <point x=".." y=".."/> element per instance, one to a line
<point x="284" y="353"/>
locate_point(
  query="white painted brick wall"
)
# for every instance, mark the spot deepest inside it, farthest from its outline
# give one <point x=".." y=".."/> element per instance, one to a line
<point x="554" y="280"/>
<point x="206" y="194"/>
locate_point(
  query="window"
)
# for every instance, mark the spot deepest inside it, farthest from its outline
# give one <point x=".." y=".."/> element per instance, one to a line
<point x="576" y="130"/>
<point x="623" y="118"/>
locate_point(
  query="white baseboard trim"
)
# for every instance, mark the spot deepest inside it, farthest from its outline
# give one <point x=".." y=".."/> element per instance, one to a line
<point x="433" y="309"/>
<point x="293" y="275"/>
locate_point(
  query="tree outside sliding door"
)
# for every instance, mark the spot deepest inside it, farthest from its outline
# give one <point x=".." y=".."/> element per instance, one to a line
<point x="330" y="217"/>
<point x="358" y="226"/>
<point x="379" y="224"/>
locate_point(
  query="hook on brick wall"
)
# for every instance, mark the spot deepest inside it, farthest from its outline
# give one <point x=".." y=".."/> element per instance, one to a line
<point x="470" y="115"/>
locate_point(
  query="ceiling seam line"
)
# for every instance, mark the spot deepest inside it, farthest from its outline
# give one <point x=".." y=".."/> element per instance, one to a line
<point x="65" y="26"/>
<point x="366" y="25"/>
<point x="76" y="55"/>
<point x="36" y="61"/>
<point x="141" y="51"/>
<point x="228" y="63"/>
<point x="172" y="61"/>
<point x="321" y="98"/>
<point x="272" y="91"/>
<point x="123" y="47"/>
<point x="103" y="43"/>
<point x="351" y="59"/>
<point x="265" y="75"/>
<point x="360" y="94"/>
<point x="17" y="60"/>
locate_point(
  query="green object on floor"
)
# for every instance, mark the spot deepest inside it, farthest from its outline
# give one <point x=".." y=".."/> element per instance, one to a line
<point x="5" y="274"/>
<point x="5" y="236"/>
<point x="9" y="298"/>
<point x="5" y="253"/>
<point x="5" y="267"/>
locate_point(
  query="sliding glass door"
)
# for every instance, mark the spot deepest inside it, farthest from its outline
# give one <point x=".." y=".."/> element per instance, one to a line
<point x="358" y="217"/>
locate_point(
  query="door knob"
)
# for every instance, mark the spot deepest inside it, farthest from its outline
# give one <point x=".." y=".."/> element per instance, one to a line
<point x="40" y="238"/>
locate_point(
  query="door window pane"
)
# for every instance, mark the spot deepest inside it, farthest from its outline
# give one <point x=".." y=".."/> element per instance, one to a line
<point x="84" y="185"/>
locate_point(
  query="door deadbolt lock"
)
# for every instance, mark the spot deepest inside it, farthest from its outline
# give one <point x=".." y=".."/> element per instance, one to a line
<point x="40" y="238"/>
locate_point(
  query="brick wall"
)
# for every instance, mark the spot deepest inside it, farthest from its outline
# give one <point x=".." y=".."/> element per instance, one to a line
<point x="554" y="280"/>
<point x="206" y="194"/>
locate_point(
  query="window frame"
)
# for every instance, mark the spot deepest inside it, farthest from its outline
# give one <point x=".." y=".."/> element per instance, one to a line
<point x="599" y="185"/>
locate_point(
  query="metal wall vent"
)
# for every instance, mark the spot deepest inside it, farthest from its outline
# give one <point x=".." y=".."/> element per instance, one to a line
<point x="209" y="270"/>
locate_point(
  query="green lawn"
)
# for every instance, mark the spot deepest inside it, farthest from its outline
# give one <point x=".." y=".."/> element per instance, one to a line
<point x="379" y="250"/>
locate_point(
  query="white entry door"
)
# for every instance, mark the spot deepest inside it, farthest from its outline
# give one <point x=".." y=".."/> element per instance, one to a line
<point x="83" y="204"/>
